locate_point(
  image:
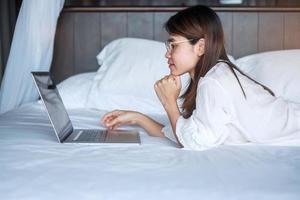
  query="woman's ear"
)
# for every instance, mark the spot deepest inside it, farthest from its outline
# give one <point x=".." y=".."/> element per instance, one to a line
<point x="200" y="47"/>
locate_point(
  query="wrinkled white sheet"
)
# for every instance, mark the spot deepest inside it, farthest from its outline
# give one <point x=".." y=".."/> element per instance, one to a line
<point x="33" y="165"/>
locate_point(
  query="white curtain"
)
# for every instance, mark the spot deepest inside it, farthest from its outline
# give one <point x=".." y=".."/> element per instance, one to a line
<point x="31" y="50"/>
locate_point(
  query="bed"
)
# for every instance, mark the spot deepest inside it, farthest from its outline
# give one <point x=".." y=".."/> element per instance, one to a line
<point x="35" y="166"/>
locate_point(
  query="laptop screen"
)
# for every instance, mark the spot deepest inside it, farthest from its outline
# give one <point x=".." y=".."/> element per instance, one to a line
<point x="54" y="105"/>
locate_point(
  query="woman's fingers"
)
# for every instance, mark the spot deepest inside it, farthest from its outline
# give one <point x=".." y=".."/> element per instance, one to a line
<point x="110" y="118"/>
<point x="116" y="126"/>
<point x="177" y="81"/>
<point x="117" y="118"/>
<point x="111" y="124"/>
<point x="105" y="117"/>
<point x="110" y="115"/>
<point x="113" y="121"/>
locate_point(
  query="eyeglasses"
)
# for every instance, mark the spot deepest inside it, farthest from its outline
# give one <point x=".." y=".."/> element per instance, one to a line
<point x="170" y="45"/>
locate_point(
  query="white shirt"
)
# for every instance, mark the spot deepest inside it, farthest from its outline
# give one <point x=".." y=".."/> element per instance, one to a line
<point x="224" y="116"/>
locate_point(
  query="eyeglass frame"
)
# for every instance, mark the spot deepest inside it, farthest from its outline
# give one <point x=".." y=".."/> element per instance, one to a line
<point x="169" y="43"/>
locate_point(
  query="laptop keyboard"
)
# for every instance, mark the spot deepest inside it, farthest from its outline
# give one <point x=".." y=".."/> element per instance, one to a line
<point x="92" y="135"/>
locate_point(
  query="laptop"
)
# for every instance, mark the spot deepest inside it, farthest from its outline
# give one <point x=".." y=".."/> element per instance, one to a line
<point x="61" y="122"/>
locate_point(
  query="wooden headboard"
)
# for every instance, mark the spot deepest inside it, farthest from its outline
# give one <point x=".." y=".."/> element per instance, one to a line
<point x="83" y="32"/>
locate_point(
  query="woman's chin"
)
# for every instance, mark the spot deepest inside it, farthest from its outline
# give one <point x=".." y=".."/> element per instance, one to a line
<point x="174" y="73"/>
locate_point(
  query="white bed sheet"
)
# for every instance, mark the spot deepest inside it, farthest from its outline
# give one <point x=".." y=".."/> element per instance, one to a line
<point x="33" y="165"/>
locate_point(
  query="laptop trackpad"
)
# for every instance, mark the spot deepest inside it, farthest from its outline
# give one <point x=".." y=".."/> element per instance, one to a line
<point x="122" y="136"/>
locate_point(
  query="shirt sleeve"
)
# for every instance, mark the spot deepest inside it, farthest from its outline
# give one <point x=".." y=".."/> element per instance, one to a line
<point x="206" y="127"/>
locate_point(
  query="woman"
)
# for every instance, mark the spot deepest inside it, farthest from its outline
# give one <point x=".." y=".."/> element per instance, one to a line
<point x="221" y="105"/>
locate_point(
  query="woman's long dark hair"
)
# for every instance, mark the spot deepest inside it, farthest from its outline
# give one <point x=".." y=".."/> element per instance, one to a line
<point x="202" y="22"/>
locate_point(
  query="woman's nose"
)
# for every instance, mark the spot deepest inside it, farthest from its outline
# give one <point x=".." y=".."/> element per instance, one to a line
<point x="168" y="55"/>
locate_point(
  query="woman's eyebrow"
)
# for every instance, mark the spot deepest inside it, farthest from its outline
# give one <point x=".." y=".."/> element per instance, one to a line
<point x="171" y="40"/>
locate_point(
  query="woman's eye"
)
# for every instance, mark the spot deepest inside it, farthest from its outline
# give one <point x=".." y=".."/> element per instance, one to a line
<point x="172" y="46"/>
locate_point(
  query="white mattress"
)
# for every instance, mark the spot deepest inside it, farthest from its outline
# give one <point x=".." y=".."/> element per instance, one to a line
<point x="33" y="165"/>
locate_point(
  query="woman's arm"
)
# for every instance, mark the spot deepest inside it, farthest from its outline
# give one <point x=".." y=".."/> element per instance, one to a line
<point x="167" y="90"/>
<point x="173" y="114"/>
<point x="151" y="126"/>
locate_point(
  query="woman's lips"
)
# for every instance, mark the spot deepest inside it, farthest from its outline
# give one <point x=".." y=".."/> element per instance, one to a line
<point x="171" y="66"/>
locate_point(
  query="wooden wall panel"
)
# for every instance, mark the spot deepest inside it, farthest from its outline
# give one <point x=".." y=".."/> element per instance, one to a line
<point x="140" y="25"/>
<point x="87" y="41"/>
<point x="80" y="35"/>
<point x="270" y="31"/>
<point x="160" y="34"/>
<point x="226" y="19"/>
<point x="63" y="57"/>
<point x="244" y="34"/>
<point x="113" y="26"/>
<point x="292" y="30"/>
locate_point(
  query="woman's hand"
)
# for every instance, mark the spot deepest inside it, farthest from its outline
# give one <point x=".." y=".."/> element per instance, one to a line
<point x="168" y="89"/>
<point x="116" y="118"/>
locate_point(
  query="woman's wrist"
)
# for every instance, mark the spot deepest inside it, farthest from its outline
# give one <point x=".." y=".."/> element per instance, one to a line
<point x="152" y="127"/>
<point x="138" y="119"/>
<point x="172" y="107"/>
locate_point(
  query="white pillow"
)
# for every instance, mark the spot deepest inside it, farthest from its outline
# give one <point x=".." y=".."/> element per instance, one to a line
<point x="74" y="90"/>
<point x="278" y="70"/>
<point x="129" y="69"/>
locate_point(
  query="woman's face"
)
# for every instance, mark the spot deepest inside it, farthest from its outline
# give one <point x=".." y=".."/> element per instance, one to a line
<point x="182" y="55"/>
